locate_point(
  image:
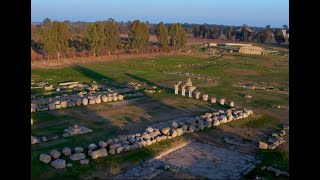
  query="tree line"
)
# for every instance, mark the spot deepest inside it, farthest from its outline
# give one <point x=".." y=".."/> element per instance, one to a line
<point x="243" y="33"/>
<point x="54" y="39"/>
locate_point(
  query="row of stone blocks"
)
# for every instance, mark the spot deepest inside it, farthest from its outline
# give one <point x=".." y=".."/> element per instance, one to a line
<point x="77" y="102"/>
<point x="126" y="143"/>
<point x="205" y="97"/>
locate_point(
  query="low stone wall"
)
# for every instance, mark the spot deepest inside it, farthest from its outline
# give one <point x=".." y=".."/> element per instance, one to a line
<point x="275" y="140"/>
<point x="74" y="100"/>
<point x="130" y="142"/>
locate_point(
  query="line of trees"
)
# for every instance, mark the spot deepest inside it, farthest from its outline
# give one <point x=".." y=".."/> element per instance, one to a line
<point x="243" y="33"/>
<point x="65" y="39"/>
<point x="55" y="40"/>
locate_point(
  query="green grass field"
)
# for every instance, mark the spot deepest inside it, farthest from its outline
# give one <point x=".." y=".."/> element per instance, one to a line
<point x="107" y="121"/>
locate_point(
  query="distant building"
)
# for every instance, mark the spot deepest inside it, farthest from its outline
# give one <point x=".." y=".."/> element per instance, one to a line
<point x="284" y="32"/>
<point x="250" y="50"/>
<point x="236" y="44"/>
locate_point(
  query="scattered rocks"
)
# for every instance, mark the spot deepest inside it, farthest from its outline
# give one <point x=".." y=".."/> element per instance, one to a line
<point x="102" y="152"/>
<point x="92" y="146"/>
<point x="66" y="151"/>
<point x="263" y="145"/>
<point x="276" y="138"/>
<point x="77" y="156"/>
<point x="45" y="158"/>
<point x="55" y="154"/>
<point x="102" y="144"/>
<point x="78" y="149"/>
<point x="174" y="125"/>
<point x="59" y="164"/>
<point x="35" y="140"/>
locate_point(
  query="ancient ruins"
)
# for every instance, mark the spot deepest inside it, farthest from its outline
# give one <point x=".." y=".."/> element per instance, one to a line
<point x="275" y="140"/>
<point x="191" y="93"/>
<point x="75" y="130"/>
<point x="129" y="142"/>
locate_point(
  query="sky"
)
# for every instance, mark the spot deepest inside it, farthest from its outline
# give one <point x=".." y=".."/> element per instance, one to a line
<point x="225" y="12"/>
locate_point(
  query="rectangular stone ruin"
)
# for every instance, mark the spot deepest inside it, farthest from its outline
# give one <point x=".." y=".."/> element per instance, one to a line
<point x="68" y="83"/>
<point x="75" y="130"/>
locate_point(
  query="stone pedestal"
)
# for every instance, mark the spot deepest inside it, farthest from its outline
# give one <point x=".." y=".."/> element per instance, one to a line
<point x="213" y="100"/>
<point x="205" y="97"/>
<point x="222" y="101"/>
<point x="197" y="95"/>
<point x="231" y="104"/>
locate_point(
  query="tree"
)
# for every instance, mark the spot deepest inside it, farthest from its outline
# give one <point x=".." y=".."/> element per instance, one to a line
<point x="278" y="36"/>
<point x="162" y="36"/>
<point x="95" y="38"/>
<point x="262" y="36"/>
<point x="47" y="41"/>
<point x="138" y="35"/>
<point x="178" y="35"/>
<point x="285" y="27"/>
<point x="196" y="31"/>
<point x="46" y="22"/>
<point x="229" y="32"/>
<point x="60" y="37"/>
<point x="111" y="36"/>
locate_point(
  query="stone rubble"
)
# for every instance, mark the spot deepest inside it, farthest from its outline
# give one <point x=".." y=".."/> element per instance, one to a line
<point x="275" y="140"/>
<point x="151" y="135"/>
<point x="75" y="130"/>
<point x="59" y="102"/>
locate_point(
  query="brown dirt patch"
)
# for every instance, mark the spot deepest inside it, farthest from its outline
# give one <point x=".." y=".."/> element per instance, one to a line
<point x="208" y="84"/>
<point x="237" y="71"/>
<point x="228" y="57"/>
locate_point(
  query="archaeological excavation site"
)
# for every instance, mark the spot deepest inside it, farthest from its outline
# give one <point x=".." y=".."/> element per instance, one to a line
<point x="165" y="118"/>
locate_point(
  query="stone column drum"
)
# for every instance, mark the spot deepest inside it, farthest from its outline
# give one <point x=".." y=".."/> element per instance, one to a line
<point x="197" y="95"/>
<point x="205" y="97"/>
<point x="222" y="101"/>
<point x="231" y="104"/>
<point x="213" y="100"/>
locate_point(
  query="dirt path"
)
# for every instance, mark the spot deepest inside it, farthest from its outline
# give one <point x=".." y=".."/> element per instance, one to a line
<point x="197" y="159"/>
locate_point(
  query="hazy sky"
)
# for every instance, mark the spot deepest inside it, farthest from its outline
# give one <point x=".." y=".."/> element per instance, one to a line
<point x="226" y="12"/>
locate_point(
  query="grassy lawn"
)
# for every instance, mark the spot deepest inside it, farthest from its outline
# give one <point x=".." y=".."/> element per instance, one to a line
<point x="107" y="120"/>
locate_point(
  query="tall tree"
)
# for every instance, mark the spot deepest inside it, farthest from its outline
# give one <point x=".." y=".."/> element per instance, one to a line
<point x="162" y="35"/>
<point x="262" y="36"/>
<point x="95" y="38"/>
<point x="178" y="35"/>
<point x="60" y="35"/>
<point x="138" y="35"/>
<point x="278" y="36"/>
<point x="47" y="41"/>
<point x="46" y="22"/>
<point x="111" y="34"/>
<point x="196" y="31"/>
